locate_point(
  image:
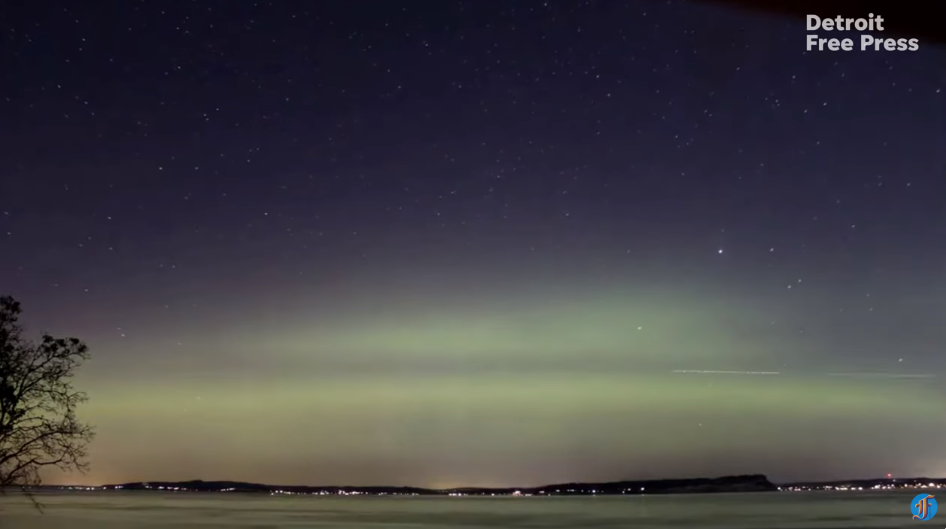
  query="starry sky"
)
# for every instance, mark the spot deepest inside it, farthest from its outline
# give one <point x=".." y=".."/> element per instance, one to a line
<point x="450" y="242"/>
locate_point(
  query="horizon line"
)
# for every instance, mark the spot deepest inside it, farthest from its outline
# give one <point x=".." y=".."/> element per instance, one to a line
<point x="511" y="487"/>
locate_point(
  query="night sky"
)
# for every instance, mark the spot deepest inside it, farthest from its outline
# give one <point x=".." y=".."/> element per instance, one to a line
<point x="474" y="243"/>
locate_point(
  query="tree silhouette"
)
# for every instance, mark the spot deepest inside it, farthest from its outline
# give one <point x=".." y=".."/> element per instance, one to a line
<point x="38" y="425"/>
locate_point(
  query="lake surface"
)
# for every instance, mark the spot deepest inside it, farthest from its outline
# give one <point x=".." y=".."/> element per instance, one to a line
<point x="140" y="510"/>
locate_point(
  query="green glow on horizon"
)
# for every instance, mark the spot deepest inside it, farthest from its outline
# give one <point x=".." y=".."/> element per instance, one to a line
<point x="497" y="388"/>
<point x="485" y="417"/>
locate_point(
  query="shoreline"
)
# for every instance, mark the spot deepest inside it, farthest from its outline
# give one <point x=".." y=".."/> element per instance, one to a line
<point x="728" y="484"/>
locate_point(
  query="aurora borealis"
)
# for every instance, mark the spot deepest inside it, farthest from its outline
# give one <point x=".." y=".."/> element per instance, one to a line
<point x="453" y="243"/>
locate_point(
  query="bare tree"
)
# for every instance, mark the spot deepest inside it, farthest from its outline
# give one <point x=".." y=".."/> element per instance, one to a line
<point x="38" y="425"/>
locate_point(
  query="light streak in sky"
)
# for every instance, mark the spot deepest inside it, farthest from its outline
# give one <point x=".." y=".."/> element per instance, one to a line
<point x="711" y="372"/>
<point x="771" y="373"/>
<point x="880" y="375"/>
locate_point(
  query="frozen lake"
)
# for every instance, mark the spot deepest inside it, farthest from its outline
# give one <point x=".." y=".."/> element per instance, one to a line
<point x="140" y="510"/>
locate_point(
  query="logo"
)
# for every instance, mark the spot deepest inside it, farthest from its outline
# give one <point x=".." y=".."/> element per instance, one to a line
<point x="923" y="507"/>
<point x="868" y="42"/>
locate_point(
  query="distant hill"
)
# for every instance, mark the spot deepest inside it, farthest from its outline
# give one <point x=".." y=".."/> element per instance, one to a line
<point x="750" y="483"/>
<point x="877" y="483"/>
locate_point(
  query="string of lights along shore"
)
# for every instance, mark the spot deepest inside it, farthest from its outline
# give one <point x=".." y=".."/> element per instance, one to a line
<point x="480" y="243"/>
<point x="866" y="42"/>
